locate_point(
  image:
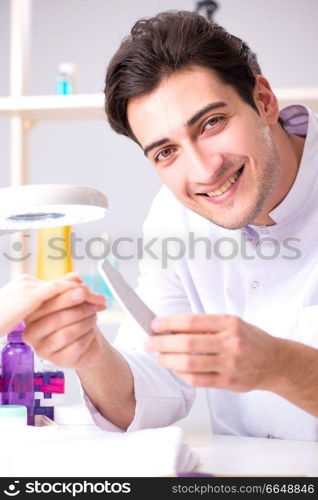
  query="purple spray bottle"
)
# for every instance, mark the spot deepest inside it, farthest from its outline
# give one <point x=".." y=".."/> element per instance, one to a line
<point x="18" y="372"/>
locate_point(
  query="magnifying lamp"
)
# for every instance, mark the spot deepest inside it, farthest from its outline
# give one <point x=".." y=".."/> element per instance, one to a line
<point x="36" y="206"/>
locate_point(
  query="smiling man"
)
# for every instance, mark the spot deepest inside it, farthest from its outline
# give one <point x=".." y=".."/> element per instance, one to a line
<point x="236" y="171"/>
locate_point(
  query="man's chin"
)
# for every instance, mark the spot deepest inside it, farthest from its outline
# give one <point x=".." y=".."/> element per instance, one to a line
<point x="229" y="225"/>
<point x="234" y="218"/>
<point x="236" y="221"/>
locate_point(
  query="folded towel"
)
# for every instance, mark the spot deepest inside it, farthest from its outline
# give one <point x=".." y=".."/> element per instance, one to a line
<point x="53" y="451"/>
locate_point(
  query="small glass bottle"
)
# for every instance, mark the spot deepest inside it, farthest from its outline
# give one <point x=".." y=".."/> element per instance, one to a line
<point x="97" y="251"/>
<point x="65" y="80"/>
<point x="18" y="372"/>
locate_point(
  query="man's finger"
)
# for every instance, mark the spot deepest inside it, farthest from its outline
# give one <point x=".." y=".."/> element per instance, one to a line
<point x="194" y="323"/>
<point x="36" y="331"/>
<point x="191" y="363"/>
<point x="65" y="336"/>
<point x="215" y="380"/>
<point x="72" y="354"/>
<point x="76" y="295"/>
<point x="185" y="343"/>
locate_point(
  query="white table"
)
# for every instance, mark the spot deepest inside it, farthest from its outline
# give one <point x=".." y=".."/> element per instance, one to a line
<point x="243" y="456"/>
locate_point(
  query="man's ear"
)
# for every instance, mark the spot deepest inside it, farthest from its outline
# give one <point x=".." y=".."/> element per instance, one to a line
<point x="266" y="100"/>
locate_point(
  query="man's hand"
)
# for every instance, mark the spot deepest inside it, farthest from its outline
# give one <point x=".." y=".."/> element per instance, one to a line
<point x="64" y="329"/>
<point x="219" y="351"/>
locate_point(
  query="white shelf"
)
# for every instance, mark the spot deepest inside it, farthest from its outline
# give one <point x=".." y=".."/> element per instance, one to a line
<point x="91" y="106"/>
<point x="301" y="95"/>
<point x="55" y="107"/>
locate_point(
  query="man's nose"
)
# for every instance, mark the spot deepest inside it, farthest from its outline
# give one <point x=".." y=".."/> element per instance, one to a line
<point x="202" y="167"/>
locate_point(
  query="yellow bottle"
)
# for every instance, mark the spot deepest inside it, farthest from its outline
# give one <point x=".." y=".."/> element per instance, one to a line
<point x="53" y="258"/>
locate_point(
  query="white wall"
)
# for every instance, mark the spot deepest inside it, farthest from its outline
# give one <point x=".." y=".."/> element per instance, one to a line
<point x="282" y="32"/>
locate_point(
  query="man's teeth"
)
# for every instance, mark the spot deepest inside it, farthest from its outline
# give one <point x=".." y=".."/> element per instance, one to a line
<point x="225" y="186"/>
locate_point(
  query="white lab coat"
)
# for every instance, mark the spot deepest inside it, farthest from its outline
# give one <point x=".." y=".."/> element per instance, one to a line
<point x="279" y="295"/>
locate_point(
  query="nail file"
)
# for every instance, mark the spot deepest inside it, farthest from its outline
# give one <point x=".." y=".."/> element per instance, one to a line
<point x="126" y="296"/>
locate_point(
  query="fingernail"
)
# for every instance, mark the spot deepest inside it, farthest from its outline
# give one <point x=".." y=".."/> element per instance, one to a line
<point x="148" y="345"/>
<point x="92" y="307"/>
<point x="155" y="324"/>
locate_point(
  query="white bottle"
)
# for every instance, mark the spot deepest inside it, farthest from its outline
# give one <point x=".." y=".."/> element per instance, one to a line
<point x="12" y="416"/>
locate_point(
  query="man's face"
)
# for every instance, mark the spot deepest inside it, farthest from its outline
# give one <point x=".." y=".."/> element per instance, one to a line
<point x="209" y="147"/>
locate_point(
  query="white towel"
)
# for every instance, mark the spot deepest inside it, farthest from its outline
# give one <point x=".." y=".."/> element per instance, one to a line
<point x="53" y="451"/>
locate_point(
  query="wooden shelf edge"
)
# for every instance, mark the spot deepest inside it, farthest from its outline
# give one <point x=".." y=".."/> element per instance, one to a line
<point x="55" y="107"/>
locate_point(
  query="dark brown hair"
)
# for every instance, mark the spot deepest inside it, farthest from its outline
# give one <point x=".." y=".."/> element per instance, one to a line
<point x="169" y="42"/>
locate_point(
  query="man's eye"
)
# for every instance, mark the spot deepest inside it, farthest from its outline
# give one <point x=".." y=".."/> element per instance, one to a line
<point x="212" y="122"/>
<point x="164" y="154"/>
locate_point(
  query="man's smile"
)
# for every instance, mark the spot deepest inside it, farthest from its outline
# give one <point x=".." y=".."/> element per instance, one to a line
<point x="224" y="190"/>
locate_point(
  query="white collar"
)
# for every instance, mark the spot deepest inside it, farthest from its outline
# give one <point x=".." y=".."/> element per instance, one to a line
<point x="299" y="120"/>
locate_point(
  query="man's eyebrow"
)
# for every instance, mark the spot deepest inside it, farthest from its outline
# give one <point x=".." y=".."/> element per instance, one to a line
<point x="155" y="145"/>
<point x="189" y="123"/>
<point x="201" y="112"/>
